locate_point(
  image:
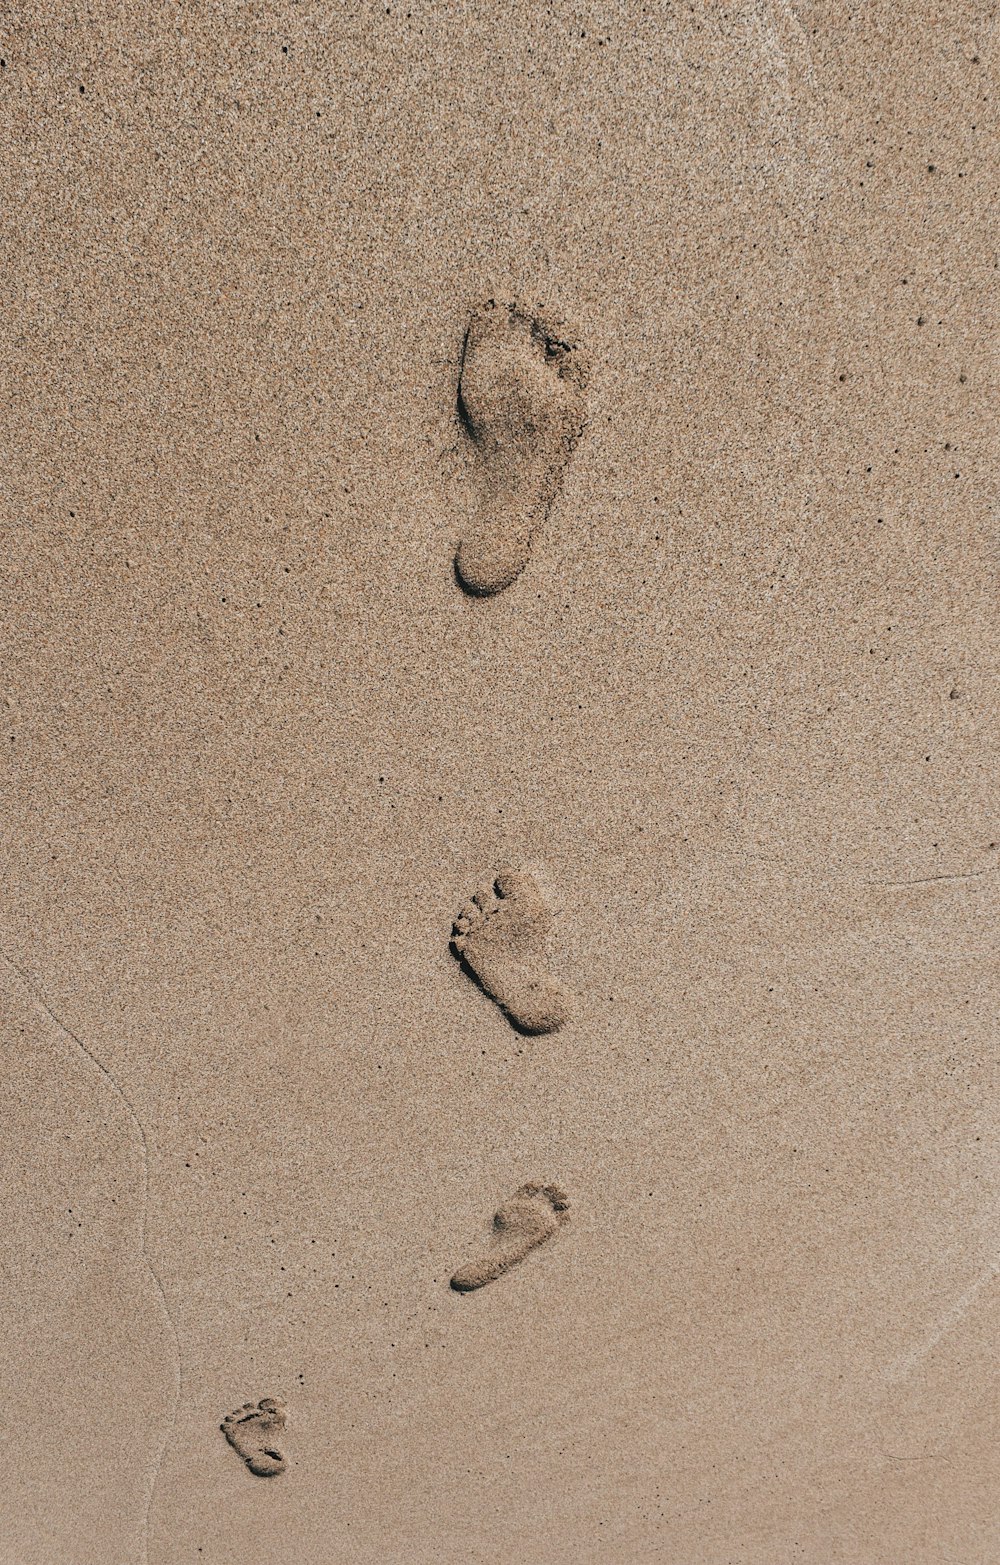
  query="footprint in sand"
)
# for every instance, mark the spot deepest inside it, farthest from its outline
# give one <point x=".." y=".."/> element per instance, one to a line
<point x="524" y="1222"/>
<point x="501" y="938"/>
<point x="521" y="402"/>
<point x="252" y="1433"/>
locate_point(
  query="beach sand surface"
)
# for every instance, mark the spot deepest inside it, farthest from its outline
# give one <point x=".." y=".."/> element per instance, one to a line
<point x="737" y="717"/>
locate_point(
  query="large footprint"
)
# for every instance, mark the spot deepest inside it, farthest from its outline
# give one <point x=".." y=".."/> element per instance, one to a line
<point x="253" y="1431"/>
<point x="521" y="402"/>
<point x="501" y="936"/>
<point x="524" y="1222"/>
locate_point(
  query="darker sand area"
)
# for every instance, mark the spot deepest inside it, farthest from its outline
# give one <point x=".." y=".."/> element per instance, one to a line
<point x="722" y="1053"/>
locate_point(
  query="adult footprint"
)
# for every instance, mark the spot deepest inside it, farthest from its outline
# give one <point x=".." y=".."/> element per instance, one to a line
<point x="523" y="1223"/>
<point x="501" y="937"/>
<point x="521" y="402"/>
<point x="252" y="1432"/>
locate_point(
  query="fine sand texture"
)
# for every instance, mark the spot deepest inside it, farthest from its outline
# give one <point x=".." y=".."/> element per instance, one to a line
<point x="498" y="679"/>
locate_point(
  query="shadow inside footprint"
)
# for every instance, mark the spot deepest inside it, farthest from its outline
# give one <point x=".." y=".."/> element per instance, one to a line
<point x="470" y="972"/>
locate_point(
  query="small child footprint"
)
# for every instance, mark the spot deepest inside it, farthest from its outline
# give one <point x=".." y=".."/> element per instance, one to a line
<point x="521" y="403"/>
<point x="501" y="937"/>
<point x="252" y="1432"/>
<point x="524" y="1222"/>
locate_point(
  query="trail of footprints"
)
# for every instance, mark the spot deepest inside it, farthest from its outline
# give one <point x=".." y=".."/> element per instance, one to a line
<point x="521" y="406"/>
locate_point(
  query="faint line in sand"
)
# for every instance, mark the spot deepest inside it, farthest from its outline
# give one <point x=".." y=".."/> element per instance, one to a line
<point x="137" y="1124"/>
<point x="907" y="1362"/>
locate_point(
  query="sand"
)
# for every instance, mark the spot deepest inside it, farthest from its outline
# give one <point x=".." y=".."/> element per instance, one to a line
<point x="735" y="715"/>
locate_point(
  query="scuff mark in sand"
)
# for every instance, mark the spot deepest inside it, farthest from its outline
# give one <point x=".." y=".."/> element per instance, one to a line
<point x="906" y="1363"/>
